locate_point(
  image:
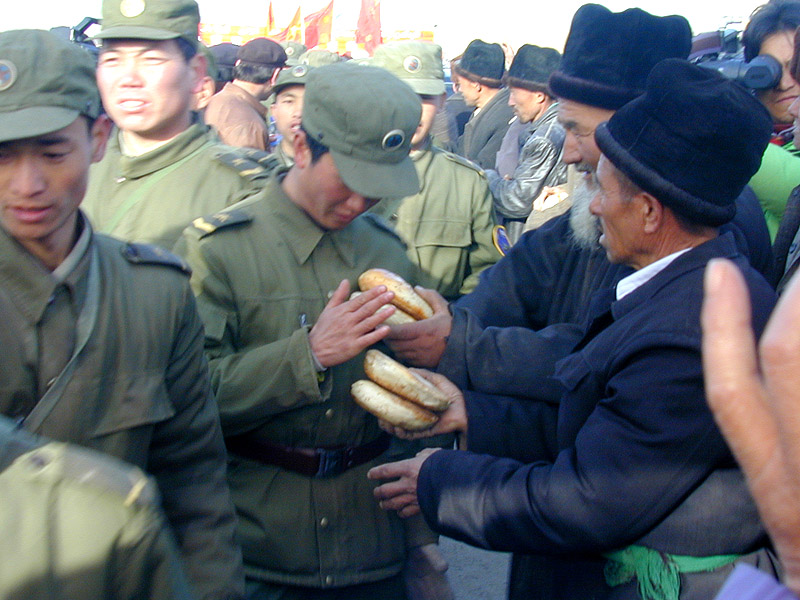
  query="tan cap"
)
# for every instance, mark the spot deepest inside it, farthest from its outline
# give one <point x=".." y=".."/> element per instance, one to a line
<point x="45" y="84"/>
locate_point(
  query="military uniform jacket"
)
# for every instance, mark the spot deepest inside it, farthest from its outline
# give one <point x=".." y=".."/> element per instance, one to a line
<point x="448" y="225"/>
<point x="635" y="440"/>
<point x="139" y="390"/>
<point x="262" y="273"/>
<point x="484" y="132"/>
<point x="539" y="165"/>
<point x="77" y="524"/>
<point x="238" y="117"/>
<point x="151" y="198"/>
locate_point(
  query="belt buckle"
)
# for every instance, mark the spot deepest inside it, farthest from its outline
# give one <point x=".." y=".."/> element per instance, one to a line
<point x="332" y="462"/>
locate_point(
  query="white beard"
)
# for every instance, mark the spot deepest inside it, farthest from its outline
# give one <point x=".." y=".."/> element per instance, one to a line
<point x="585" y="226"/>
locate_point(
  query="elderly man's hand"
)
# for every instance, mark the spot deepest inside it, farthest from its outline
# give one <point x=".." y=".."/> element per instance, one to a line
<point x="401" y="494"/>
<point x="758" y="412"/>
<point x="451" y="420"/>
<point x="346" y="327"/>
<point x="422" y="344"/>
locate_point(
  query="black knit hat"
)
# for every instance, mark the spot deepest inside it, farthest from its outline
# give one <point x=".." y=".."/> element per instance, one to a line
<point x="608" y="55"/>
<point x="693" y="140"/>
<point x="532" y="67"/>
<point x="484" y="63"/>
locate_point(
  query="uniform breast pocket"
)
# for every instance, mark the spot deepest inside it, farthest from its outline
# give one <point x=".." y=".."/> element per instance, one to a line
<point x="442" y="249"/>
<point x="141" y="400"/>
<point x="584" y="389"/>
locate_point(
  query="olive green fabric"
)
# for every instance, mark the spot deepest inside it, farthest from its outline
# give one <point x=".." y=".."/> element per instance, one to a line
<point x="280" y="154"/>
<point x="419" y="64"/>
<point x="150" y="20"/>
<point x="293" y="52"/>
<point x="448" y="225"/>
<point x="140" y="390"/>
<point x="78" y="524"/>
<point x="319" y="57"/>
<point x="151" y="198"/>
<point x="262" y="276"/>
<point x="366" y="117"/>
<point x="45" y="83"/>
<point x="296" y="75"/>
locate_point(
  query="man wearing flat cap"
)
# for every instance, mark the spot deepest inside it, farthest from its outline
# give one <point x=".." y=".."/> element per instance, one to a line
<point x="164" y="166"/>
<point x="539" y="163"/>
<point x="225" y="56"/>
<point x="236" y="111"/>
<point x="448" y="224"/>
<point x="101" y="341"/>
<point x="637" y="492"/>
<point x="272" y="277"/>
<point x="480" y="79"/>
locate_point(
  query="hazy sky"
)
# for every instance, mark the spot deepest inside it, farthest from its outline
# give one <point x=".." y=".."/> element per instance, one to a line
<point x="454" y="22"/>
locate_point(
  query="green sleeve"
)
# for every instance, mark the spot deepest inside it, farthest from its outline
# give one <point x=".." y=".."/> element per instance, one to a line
<point x="483" y="253"/>
<point x="778" y="175"/>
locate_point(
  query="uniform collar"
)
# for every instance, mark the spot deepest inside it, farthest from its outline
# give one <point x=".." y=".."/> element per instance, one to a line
<point x="30" y="285"/>
<point x="300" y="233"/>
<point x="183" y="144"/>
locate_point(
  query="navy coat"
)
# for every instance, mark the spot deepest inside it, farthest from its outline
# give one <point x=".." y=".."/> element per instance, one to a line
<point x="634" y="443"/>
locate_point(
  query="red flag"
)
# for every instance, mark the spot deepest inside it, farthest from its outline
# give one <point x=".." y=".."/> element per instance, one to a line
<point x="294" y="32"/>
<point x="318" y="27"/>
<point x="270" y="19"/>
<point x="369" y="25"/>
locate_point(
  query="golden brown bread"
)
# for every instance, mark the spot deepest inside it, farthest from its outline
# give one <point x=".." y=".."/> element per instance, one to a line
<point x="399" y="317"/>
<point x="405" y="298"/>
<point x="393" y="376"/>
<point x="390" y="407"/>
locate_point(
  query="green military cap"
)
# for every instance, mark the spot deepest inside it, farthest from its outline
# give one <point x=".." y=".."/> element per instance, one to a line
<point x="150" y="20"/>
<point x="293" y="52"/>
<point x="45" y="83"/>
<point x="211" y="62"/>
<point x="419" y="64"/>
<point x="296" y="75"/>
<point x="366" y="117"/>
<point x="319" y="57"/>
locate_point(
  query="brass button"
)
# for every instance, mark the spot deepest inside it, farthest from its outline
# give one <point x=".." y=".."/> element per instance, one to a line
<point x="328" y="580"/>
<point x="323" y="522"/>
<point x="329" y="413"/>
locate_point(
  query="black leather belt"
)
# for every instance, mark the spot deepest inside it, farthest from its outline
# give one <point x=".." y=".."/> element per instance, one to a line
<point x="311" y="462"/>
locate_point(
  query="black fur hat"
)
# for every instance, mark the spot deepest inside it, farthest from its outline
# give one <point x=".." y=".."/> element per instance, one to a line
<point x="693" y="140"/>
<point x="484" y="63"/>
<point x="608" y="55"/>
<point x="532" y="67"/>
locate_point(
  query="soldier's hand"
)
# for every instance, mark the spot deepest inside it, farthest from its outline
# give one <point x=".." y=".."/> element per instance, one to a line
<point x="346" y="327"/>
<point x="422" y="343"/>
<point x="425" y="574"/>
<point x="451" y="420"/>
<point x="401" y="494"/>
<point x="758" y="409"/>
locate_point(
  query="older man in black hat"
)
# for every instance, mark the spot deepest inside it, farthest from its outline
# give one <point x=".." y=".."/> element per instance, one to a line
<point x="539" y="163"/>
<point x="236" y="111"/>
<point x="480" y="80"/>
<point x="639" y="493"/>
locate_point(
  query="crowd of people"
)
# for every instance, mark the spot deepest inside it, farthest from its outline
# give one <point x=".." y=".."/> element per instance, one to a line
<point x="602" y="235"/>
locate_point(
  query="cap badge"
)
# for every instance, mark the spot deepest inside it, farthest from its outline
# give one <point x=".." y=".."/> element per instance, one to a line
<point x="299" y="70"/>
<point x="289" y="51"/>
<point x="131" y="8"/>
<point x="8" y="74"/>
<point x="412" y="64"/>
<point x="393" y="140"/>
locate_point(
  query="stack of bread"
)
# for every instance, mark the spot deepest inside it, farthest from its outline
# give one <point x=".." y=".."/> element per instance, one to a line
<point x="397" y="395"/>
<point x="409" y="306"/>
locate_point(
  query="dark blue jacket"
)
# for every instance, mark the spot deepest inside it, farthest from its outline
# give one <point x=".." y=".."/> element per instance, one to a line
<point x="634" y="440"/>
<point x="495" y="345"/>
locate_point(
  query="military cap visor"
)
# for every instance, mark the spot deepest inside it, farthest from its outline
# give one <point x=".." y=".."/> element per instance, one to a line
<point x="135" y="32"/>
<point x="377" y="180"/>
<point x="34" y="121"/>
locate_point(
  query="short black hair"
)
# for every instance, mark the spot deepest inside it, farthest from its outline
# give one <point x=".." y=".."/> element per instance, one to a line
<point x="253" y="73"/>
<point x="773" y="17"/>
<point x="318" y="149"/>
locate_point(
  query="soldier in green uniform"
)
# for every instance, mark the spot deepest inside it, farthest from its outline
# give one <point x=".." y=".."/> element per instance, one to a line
<point x="164" y="166"/>
<point x="287" y="109"/>
<point x="272" y="277"/>
<point x="101" y="343"/>
<point x="76" y="524"/>
<point x="448" y="224"/>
